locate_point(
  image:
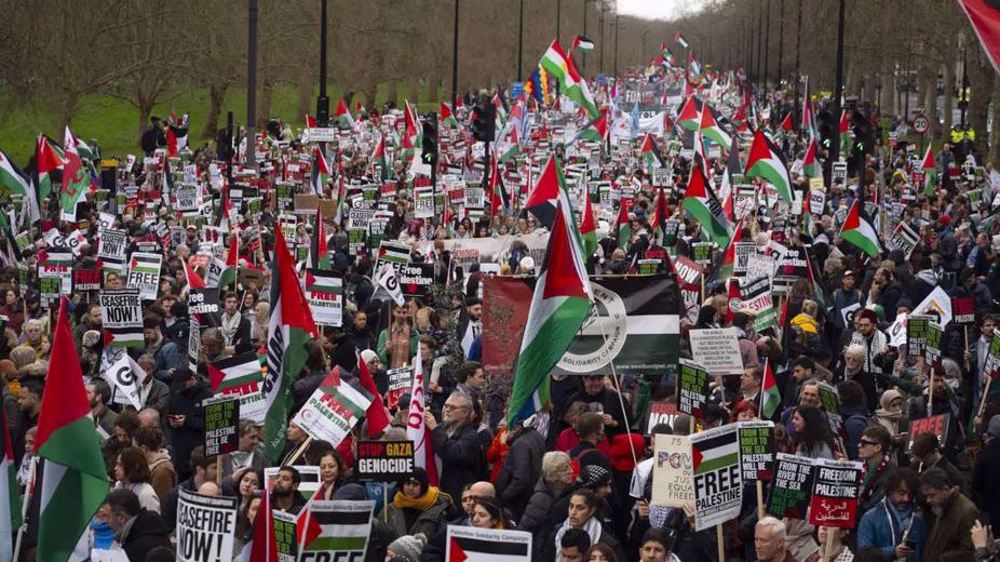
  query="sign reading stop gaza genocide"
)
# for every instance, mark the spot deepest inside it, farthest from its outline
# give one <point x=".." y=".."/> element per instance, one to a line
<point x="635" y="323"/>
<point x="384" y="461"/>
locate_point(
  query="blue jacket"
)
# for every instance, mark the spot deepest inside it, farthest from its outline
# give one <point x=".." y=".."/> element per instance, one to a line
<point x="882" y="526"/>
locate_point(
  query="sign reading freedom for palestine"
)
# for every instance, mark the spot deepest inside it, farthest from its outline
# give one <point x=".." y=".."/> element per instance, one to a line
<point x="384" y="461"/>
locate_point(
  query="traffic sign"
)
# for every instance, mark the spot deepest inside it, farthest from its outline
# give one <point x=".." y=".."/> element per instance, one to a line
<point x="920" y="124"/>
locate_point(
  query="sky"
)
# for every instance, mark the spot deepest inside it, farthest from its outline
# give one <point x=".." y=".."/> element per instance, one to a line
<point x="657" y="9"/>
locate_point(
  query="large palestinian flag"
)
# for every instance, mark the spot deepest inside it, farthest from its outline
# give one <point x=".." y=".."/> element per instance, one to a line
<point x="711" y="129"/>
<point x="765" y="162"/>
<point x="559" y="306"/>
<point x="291" y="325"/>
<point x="704" y="206"/>
<point x="74" y="477"/>
<point x="689" y="117"/>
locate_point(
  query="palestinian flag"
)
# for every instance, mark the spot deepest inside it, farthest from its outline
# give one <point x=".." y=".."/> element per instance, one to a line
<point x="319" y="251"/>
<point x="559" y="307"/>
<point x="338" y="526"/>
<point x="542" y="199"/>
<point x="228" y="275"/>
<point x="786" y="123"/>
<point x="765" y="162"/>
<point x="10" y="497"/>
<point x="412" y="124"/>
<point x="561" y="67"/>
<point x="378" y="158"/>
<point x="320" y="172"/>
<point x="48" y="157"/>
<point x="172" y="142"/>
<point x="194" y="281"/>
<point x="13" y="180"/>
<point x="512" y="147"/>
<point x="710" y="129"/>
<point x="74" y="477"/>
<point x="623" y="226"/>
<point x="392" y="252"/>
<point x="146" y="264"/>
<point x="680" y="40"/>
<point x="75" y="179"/>
<point x="661" y="211"/>
<point x="501" y="117"/>
<point x="597" y="130"/>
<point x="497" y="192"/>
<point x="858" y="230"/>
<point x="689" y="117"/>
<point x="588" y="227"/>
<point x="701" y="202"/>
<point x="715" y="449"/>
<point x="234" y="372"/>
<point x="929" y="167"/>
<point x="582" y="43"/>
<point x="264" y="546"/>
<point x="447" y="118"/>
<point x="811" y="167"/>
<point x="291" y="325"/>
<point x="770" y="396"/>
<point x="342" y="116"/>
<point x="649" y="154"/>
<point x="845" y="135"/>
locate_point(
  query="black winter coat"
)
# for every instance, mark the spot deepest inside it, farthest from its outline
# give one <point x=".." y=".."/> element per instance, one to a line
<point x="462" y="458"/>
<point x="521" y="470"/>
<point x="147" y="533"/>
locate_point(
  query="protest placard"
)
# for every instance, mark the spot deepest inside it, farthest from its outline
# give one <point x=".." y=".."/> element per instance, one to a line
<point x="835" y="492"/>
<point x="332" y="410"/>
<point x="661" y="412"/>
<point x="756" y="449"/>
<point x="285" y="537"/>
<point x="336" y="531"/>
<point x="932" y="344"/>
<point x="117" y="370"/>
<point x="121" y="316"/>
<point x="992" y="365"/>
<point x="324" y="290"/>
<point x="673" y="476"/>
<point x="144" y="274"/>
<point x="384" y="461"/>
<point x="692" y="388"/>
<point x="222" y="418"/>
<point x="400" y="382"/>
<point x="86" y="279"/>
<point x="415" y="279"/>
<point x="473" y="543"/>
<point x="790" y="489"/>
<point x="937" y="425"/>
<point x="717" y="350"/>
<point x="916" y="333"/>
<point x="702" y="252"/>
<point x="240" y="376"/>
<point x="718" y="487"/>
<point x="206" y="527"/>
<point x="963" y="310"/>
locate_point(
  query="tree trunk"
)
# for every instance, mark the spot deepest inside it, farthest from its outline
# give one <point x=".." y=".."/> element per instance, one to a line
<point x="415" y="92"/>
<point x="69" y="101"/>
<point x="981" y="80"/>
<point x="994" y="150"/>
<point x="370" y="89"/>
<point x="949" y="97"/>
<point x="216" y="97"/>
<point x="305" y="93"/>
<point x="145" y="109"/>
<point x="390" y="92"/>
<point x="264" y="102"/>
<point x="928" y="88"/>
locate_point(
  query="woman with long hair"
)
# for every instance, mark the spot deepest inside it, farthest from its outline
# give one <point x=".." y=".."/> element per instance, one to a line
<point x="331" y="474"/>
<point x="487" y="514"/>
<point x="600" y="553"/>
<point x="132" y="472"/>
<point x="812" y="431"/>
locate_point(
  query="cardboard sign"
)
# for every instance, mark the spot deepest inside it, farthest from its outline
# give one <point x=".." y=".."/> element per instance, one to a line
<point x="692" y="388"/>
<point x="673" y="475"/>
<point x="938" y="425"/>
<point x="324" y="290"/>
<point x="384" y="461"/>
<point x="206" y="527"/>
<point x="718" y="350"/>
<point x="144" y="274"/>
<point x="332" y="410"/>
<point x="917" y="326"/>
<point x="718" y="486"/>
<point x="756" y="449"/>
<point x="661" y="412"/>
<point x="339" y="531"/>
<point x="121" y="316"/>
<point x="473" y="543"/>
<point x="963" y="310"/>
<point x="222" y="418"/>
<point x="791" y="487"/>
<point x="835" y="493"/>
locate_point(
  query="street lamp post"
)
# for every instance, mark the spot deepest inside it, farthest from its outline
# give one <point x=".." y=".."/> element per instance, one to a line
<point x="835" y="144"/>
<point x="454" y="58"/>
<point x="520" y="41"/>
<point x="250" y="155"/>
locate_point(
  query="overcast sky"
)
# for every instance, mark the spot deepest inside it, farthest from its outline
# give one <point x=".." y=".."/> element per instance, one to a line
<point x="657" y="9"/>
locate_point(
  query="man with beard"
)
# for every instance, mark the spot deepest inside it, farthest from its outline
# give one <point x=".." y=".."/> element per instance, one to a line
<point x="470" y="324"/>
<point x="165" y="352"/>
<point x="285" y="494"/>
<point x="873" y="340"/>
<point x="604" y="401"/>
<point x="92" y="320"/>
<point x="894" y="525"/>
<point x="98" y="395"/>
<point x="235" y="328"/>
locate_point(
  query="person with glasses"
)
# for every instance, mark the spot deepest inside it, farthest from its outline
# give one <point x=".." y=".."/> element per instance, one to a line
<point x="873" y="450"/>
<point x="457" y="444"/>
